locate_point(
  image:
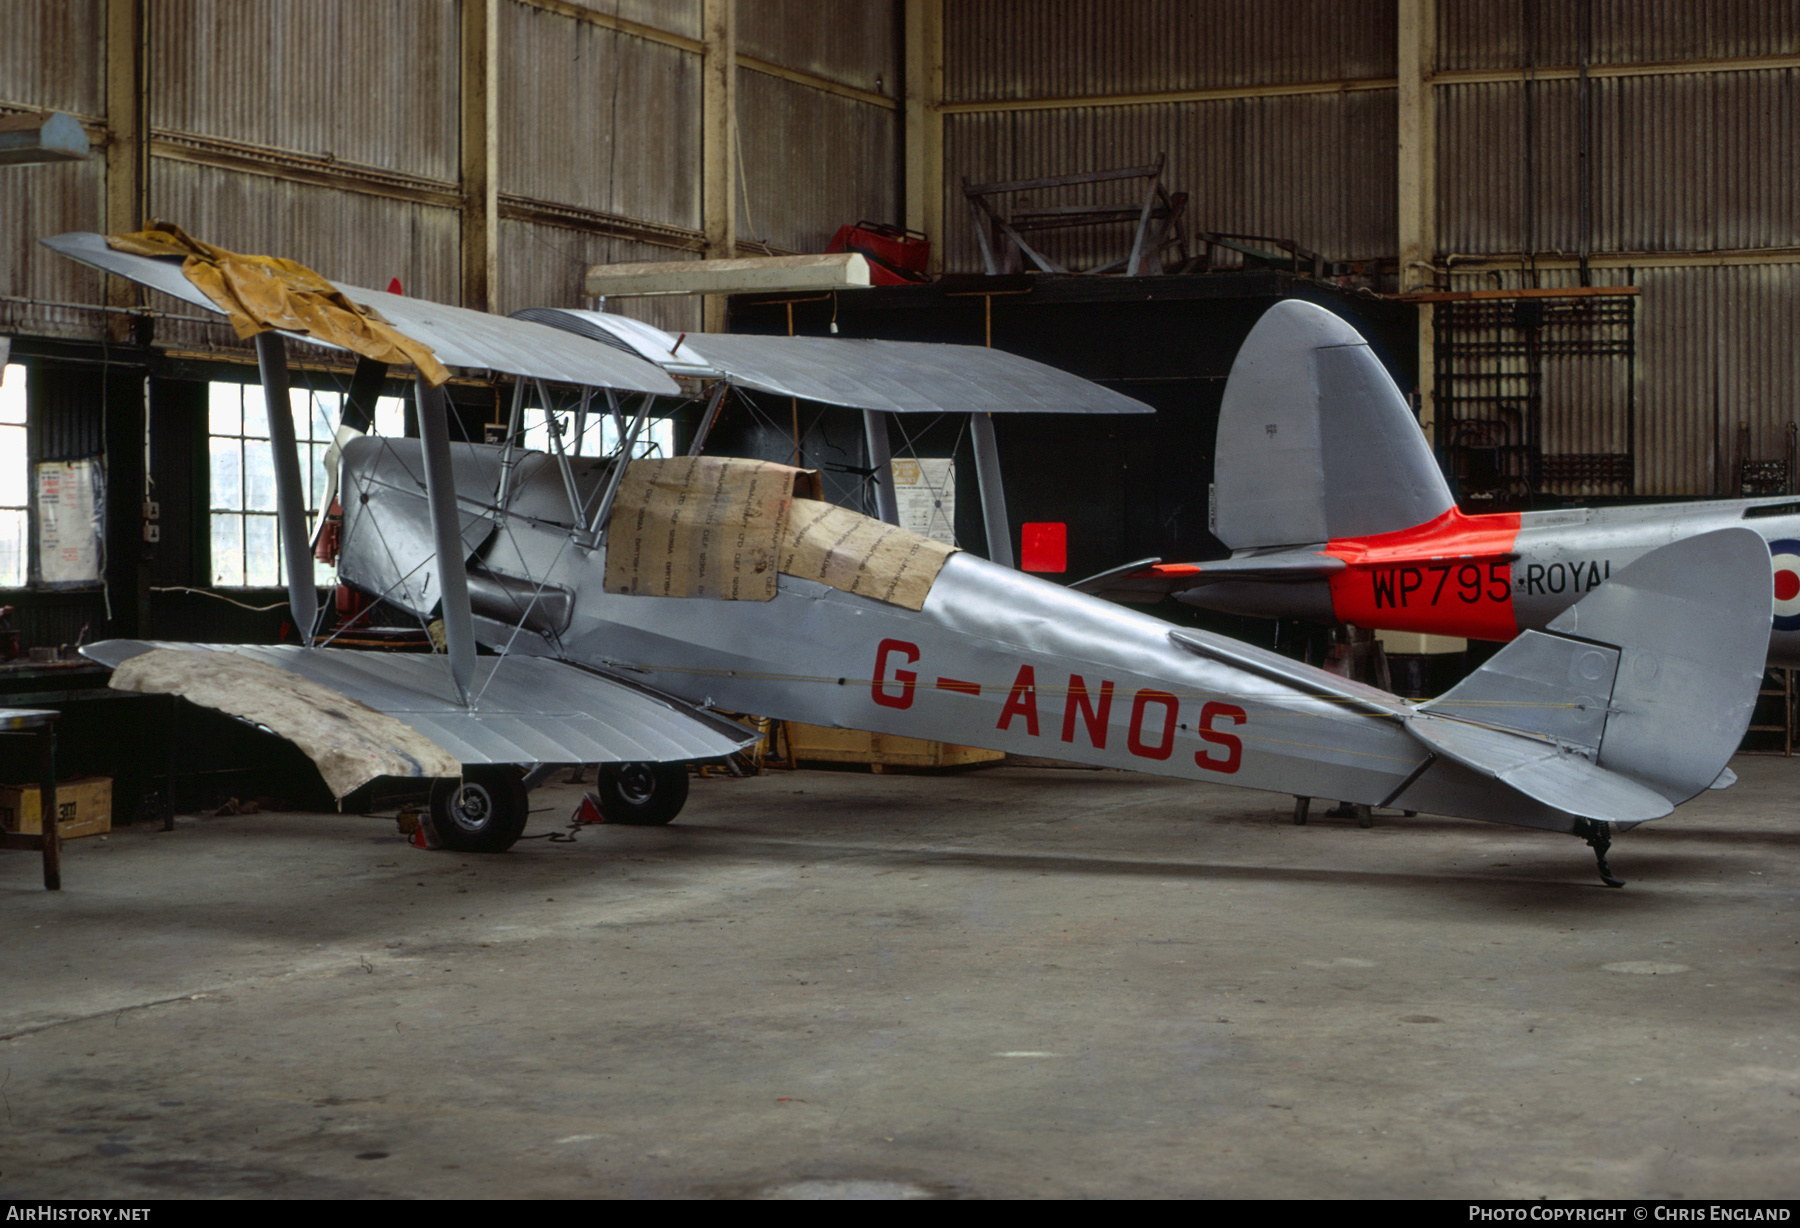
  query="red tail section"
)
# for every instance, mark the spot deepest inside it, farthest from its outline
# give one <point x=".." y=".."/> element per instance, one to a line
<point x="1451" y="575"/>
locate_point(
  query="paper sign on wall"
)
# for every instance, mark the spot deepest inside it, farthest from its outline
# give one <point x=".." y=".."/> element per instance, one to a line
<point x="69" y="534"/>
<point x="925" y="493"/>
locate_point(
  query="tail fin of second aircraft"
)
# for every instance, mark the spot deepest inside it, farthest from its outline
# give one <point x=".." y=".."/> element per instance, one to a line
<point x="1315" y="441"/>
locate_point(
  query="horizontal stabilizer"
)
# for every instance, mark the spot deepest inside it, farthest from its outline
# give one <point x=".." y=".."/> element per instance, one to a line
<point x="1153" y="579"/>
<point x="1691" y="621"/>
<point x="1558" y="776"/>
<point x="1643" y="688"/>
<point x="525" y="709"/>
<point x="1544" y="685"/>
<point x="1291" y="566"/>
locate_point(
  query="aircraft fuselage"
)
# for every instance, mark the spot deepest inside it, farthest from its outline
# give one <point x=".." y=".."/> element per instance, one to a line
<point x="1493" y="576"/>
<point x="995" y="658"/>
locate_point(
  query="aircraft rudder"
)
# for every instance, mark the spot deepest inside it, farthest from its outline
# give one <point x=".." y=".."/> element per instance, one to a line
<point x="1315" y="440"/>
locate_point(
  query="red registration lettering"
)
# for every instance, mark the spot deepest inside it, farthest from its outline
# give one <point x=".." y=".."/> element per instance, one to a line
<point x="1230" y="743"/>
<point x="904" y="678"/>
<point x="1165" y="743"/>
<point x="1022" y="701"/>
<point x="1094" y="717"/>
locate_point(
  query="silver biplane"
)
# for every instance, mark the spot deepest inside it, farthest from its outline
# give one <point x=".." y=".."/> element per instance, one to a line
<point x="599" y="610"/>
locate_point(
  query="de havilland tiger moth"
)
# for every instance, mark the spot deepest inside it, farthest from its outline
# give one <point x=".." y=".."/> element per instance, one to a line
<point x="599" y="610"/>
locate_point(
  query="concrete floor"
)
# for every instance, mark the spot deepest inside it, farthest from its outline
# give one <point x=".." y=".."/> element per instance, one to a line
<point x="1000" y="983"/>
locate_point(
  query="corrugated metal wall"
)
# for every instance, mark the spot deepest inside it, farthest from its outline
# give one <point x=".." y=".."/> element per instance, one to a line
<point x="372" y="83"/>
<point x="36" y="67"/>
<point x="546" y="263"/>
<point x="598" y="118"/>
<point x="1714" y="353"/>
<point x="330" y="132"/>
<point x="837" y="149"/>
<point x="1486" y="34"/>
<point x="1717" y="350"/>
<point x="1680" y="162"/>
<point x="675" y="16"/>
<point x="1034" y="49"/>
<point x="38" y="71"/>
<point x="851" y="44"/>
<point x="1683" y="164"/>
<point x="1314" y="168"/>
<point x="1691" y="123"/>
<point x="39" y="201"/>
<point x="838" y="152"/>
<point x="349" y="236"/>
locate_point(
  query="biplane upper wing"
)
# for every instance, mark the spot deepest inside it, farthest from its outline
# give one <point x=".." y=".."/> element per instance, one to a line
<point x="524" y="709"/>
<point x="888" y="376"/>
<point x="459" y="336"/>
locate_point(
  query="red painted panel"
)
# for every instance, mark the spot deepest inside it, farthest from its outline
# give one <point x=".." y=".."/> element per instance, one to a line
<point x="1445" y="577"/>
<point x="1044" y="546"/>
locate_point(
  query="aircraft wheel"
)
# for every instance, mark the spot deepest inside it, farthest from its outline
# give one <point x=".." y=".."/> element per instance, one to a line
<point x="642" y="794"/>
<point x="484" y="812"/>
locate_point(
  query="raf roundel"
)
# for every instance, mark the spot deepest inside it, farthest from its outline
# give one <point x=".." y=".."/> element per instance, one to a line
<point x="1786" y="561"/>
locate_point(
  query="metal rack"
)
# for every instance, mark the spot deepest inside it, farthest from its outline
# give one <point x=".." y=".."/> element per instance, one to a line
<point x="1156" y="219"/>
<point x="1494" y="355"/>
<point x="1779" y="695"/>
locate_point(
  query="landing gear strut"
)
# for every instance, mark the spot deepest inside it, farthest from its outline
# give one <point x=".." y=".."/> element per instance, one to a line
<point x="1599" y="838"/>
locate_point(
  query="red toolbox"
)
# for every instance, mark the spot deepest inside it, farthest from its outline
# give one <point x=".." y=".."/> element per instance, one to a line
<point x="896" y="256"/>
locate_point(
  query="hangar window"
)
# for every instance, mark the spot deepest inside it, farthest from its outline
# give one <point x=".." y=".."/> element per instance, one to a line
<point x="14" y="471"/>
<point x="245" y="547"/>
<point x="599" y="436"/>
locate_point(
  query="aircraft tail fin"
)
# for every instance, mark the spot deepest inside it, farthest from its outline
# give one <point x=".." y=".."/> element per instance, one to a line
<point x="1640" y="691"/>
<point x="1315" y="441"/>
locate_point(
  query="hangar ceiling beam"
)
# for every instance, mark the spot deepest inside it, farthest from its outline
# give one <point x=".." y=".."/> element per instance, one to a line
<point x="480" y="116"/>
<point x="624" y="25"/>
<point x="1715" y="258"/>
<point x="718" y="116"/>
<point x="922" y="124"/>
<point x="1351" y="85"/>
<point x="127" y="145"/>
<point x="1417" y="31"/>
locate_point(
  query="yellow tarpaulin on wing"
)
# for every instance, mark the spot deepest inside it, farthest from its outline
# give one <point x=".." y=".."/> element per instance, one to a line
<point x="260" y="293"/>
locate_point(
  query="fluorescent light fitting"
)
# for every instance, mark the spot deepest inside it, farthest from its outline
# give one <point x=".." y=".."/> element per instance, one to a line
<point x="749" y="275"/>
<point x="50" y="136"/>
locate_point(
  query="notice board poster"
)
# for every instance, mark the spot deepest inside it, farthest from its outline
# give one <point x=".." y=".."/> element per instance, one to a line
<point x="70" y="512"/>
<point x="925" y="494"/>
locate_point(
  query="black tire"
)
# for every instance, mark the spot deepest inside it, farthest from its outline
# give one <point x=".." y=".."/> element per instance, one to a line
<point x="484" y="812"/>
<point x="642" y="794"/>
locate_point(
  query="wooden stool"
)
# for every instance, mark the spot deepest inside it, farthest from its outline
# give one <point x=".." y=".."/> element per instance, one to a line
<point x="42" y="722"/>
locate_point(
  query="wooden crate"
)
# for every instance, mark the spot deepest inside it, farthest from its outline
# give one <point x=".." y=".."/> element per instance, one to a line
<point x="84" y="807"/>
<point x="819" y="744"/>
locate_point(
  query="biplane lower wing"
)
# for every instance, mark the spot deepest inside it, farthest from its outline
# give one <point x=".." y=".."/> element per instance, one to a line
<point x="525" y="709"/>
